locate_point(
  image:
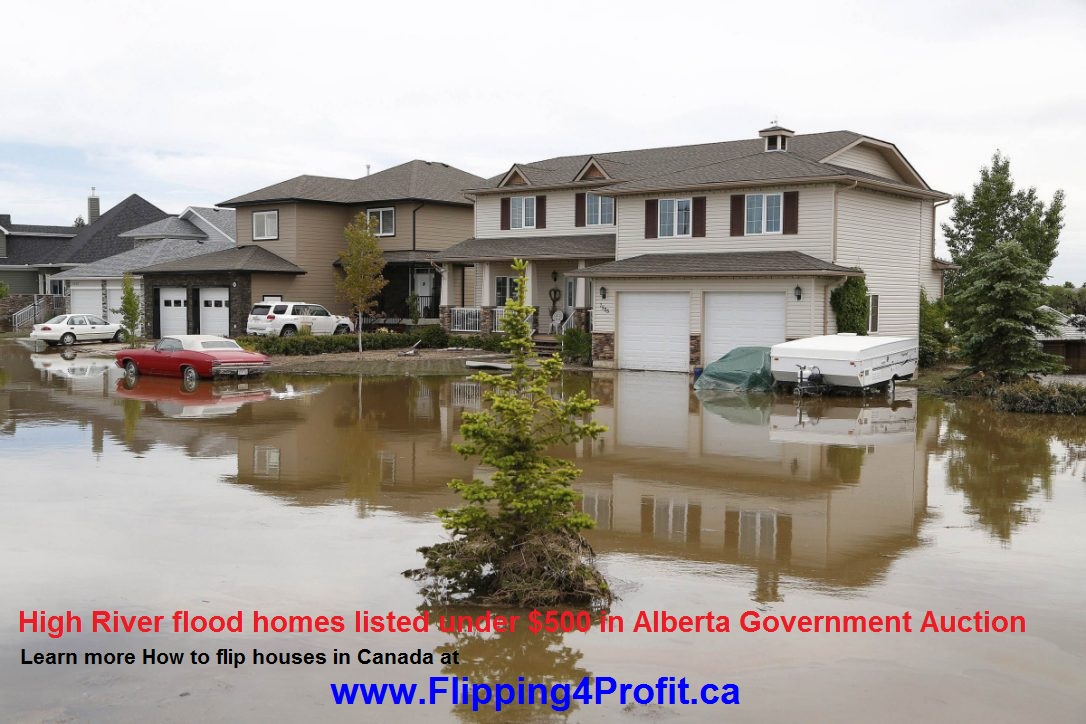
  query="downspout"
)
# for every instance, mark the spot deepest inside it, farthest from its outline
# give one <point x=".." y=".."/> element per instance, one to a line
<point x="942" y="275"/>
<point x="411" y="267"/>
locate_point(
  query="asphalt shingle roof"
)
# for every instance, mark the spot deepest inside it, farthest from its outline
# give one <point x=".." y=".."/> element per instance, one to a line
<point x="33" y="249"/>
<point x="250" y="258"/>
<point x="171" y="227"/>
<point x="739" y="263"/>
<point x="584" y="246"/>
<point x="148" y="254"/>
<point x="422" y="180"/>
<point x="697" y="165"/>
<point x="225" y="220"/>
<point x="103" y="237"/>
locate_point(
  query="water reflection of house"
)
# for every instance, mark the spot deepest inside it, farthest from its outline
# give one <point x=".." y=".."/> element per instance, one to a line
<point x="379" y="441"/>
<point x="719" y="483"/>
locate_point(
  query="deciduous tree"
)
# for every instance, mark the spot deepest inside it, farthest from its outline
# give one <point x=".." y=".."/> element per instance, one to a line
<point x="363" y="263"/>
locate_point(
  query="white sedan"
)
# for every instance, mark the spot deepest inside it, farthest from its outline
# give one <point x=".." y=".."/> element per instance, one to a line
<point x="68" y="329"/>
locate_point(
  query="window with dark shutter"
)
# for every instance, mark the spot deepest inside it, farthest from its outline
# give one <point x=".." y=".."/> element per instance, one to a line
<point x="579" y="210"/>
<point x="699" y="216"/>
<point x="651" y="219"/>
<point x="791" y="212"/>
<point x="541" y="212"/>
<point x="738" y="214"/>
<point x="505" y="214"/>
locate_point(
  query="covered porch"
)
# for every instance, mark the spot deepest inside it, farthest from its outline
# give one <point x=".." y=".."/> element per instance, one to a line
<point x="414" y="288"/>
<point x="476" y="289"/>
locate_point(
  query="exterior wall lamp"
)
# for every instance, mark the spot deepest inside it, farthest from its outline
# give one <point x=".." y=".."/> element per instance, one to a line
<point x="554" y="275"/>
<point x="798" y="291"/>
<point x="603" y="292"/>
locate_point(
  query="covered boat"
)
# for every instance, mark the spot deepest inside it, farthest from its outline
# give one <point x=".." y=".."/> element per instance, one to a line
<point x="845" y="360"/>
<point x="744" y="369"/>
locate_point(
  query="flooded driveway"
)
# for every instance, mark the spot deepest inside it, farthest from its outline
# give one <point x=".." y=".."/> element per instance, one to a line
<point x="308" y="496"/>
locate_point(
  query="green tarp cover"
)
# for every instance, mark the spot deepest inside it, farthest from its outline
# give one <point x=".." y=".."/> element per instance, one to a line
<point x="744" y="369"/>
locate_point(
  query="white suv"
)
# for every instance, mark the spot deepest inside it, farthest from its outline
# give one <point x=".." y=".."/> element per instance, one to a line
<point x="285" y="319"/>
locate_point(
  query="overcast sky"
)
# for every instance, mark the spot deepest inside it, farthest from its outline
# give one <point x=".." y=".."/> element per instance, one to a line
<point x="197" y="102"/>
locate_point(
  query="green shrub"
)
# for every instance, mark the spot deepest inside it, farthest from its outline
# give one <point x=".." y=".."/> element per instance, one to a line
<point x="1037" y="397"/>
<point x="849" y="302"/>
<point x="434" y="336"/>
<point x="576" y="346"/>
<point x="487" y="342"/>
<point x="935" y="335"/>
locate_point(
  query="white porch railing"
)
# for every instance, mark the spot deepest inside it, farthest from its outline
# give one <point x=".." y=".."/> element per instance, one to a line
<point x="499" y="315"/>
<point x="567" y="323"/>
<point x="465" y="319"/>
<point x="43" y="307"/>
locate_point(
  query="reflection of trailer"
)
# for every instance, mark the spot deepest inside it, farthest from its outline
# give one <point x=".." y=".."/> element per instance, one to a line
<point x="832" y="421"/>
<point x="845" y="360"/>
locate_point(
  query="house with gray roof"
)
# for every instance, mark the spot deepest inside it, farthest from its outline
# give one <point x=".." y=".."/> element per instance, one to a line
<point x="419" y="208"/>
<point x="96" y="287"/>
<point x="32" y="256"/>
<point x="674" y="256"/>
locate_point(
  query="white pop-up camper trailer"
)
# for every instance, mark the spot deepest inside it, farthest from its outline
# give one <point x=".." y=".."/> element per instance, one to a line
<point x="845" y="360"/>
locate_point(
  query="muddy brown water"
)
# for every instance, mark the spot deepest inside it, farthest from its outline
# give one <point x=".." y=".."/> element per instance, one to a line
<point x="308" y="496"/>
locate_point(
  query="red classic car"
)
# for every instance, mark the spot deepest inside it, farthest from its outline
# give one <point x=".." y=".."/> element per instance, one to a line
<point x="191" y="356"/>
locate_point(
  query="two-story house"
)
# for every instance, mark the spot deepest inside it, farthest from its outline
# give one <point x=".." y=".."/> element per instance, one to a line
<point x="703" y="248"/>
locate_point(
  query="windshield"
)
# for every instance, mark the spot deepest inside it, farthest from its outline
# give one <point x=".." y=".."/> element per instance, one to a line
<point x="220" y="344"/>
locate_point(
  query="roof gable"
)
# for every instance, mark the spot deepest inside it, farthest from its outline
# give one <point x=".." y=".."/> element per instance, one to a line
<point x="880" y="158"/>
<point x="514" y="177"/>
<point x="592" y="171"/>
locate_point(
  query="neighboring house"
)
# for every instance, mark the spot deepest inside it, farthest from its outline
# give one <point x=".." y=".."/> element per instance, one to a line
<point x="1068" y="341"/>
<point x="36" y="254"/>
<point x="95" y="288"/>
<point x="419" y="207"/>
<point x="703" y="248"/>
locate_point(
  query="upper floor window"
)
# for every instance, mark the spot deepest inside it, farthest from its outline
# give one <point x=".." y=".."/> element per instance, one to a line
<point x="872" y="312"/>
<point x="265" y="225"/>
<point x="386" y="221"/>
<point x="600" y="209"/>
<point x="674" y="217"/>
<point x="763" y="214"/>
<point x="522" y="212"/>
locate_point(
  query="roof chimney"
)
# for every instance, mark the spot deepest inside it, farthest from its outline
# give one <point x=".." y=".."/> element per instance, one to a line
<point x="94" y="209"/>
<point x="367" y="169"/>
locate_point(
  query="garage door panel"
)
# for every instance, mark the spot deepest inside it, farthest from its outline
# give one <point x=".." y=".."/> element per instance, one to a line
<point x="742" y="319"/>
<point x="173" y="310"/>
<point x="653" y="331"/>
<point x="87" y="300"/>
<point x="215" y="311"/>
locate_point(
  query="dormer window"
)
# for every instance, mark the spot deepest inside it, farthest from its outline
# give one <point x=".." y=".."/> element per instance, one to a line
<point x="776" y="137"/>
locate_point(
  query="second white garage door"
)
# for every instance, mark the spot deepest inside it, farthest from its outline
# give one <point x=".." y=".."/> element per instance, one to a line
<point x="215" y="311"/>
<point x="173" y="310"/>
<point x="653" y="331"/>
<point x="741" y="319"/>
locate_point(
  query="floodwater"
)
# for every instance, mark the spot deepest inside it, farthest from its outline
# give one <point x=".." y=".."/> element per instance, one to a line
<point x="309" y="496"/>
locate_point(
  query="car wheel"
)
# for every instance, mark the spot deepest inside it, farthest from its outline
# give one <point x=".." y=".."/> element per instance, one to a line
<point x="288" y="331"/>
<point x="189" y="384"/>
<point x="130" y="369"/>
<point x="189" y="376"/>
<point x="121" y="336"/>
<point x="341" y="329"/>
<point x="67" y="339"/>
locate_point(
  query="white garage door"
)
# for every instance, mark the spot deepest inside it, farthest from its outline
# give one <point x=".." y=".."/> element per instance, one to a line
<point x="741" y="319"/>
<point x="173" y="310"/>
<point x="215" y="311"/>
<point x="654" y="331"/>
<point x="87" y="299"/>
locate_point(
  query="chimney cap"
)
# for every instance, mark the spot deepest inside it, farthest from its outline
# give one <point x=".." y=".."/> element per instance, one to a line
<point x="93" y="192"/>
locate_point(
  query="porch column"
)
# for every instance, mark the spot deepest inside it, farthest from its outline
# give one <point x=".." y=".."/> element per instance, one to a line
<point x="447" y="272"/>
<point x="580" y="290"/>
<point x="529" y="292"/>
<point x="487" y="297"/>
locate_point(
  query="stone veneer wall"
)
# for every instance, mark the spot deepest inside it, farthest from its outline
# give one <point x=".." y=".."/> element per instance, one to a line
<point x="603" y="346"/>
<point x="695" y="350"/>
<point x="12" y="303"/>
<point x="241" y="296"/>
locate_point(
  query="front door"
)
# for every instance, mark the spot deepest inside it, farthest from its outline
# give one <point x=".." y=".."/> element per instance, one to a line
<point x="571" y="296"/>
<point x="424" y="289"/>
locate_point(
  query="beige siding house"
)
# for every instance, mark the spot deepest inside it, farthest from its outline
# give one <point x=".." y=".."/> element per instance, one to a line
<point x="674" y="256"/>
<point x="289" y="237"/>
